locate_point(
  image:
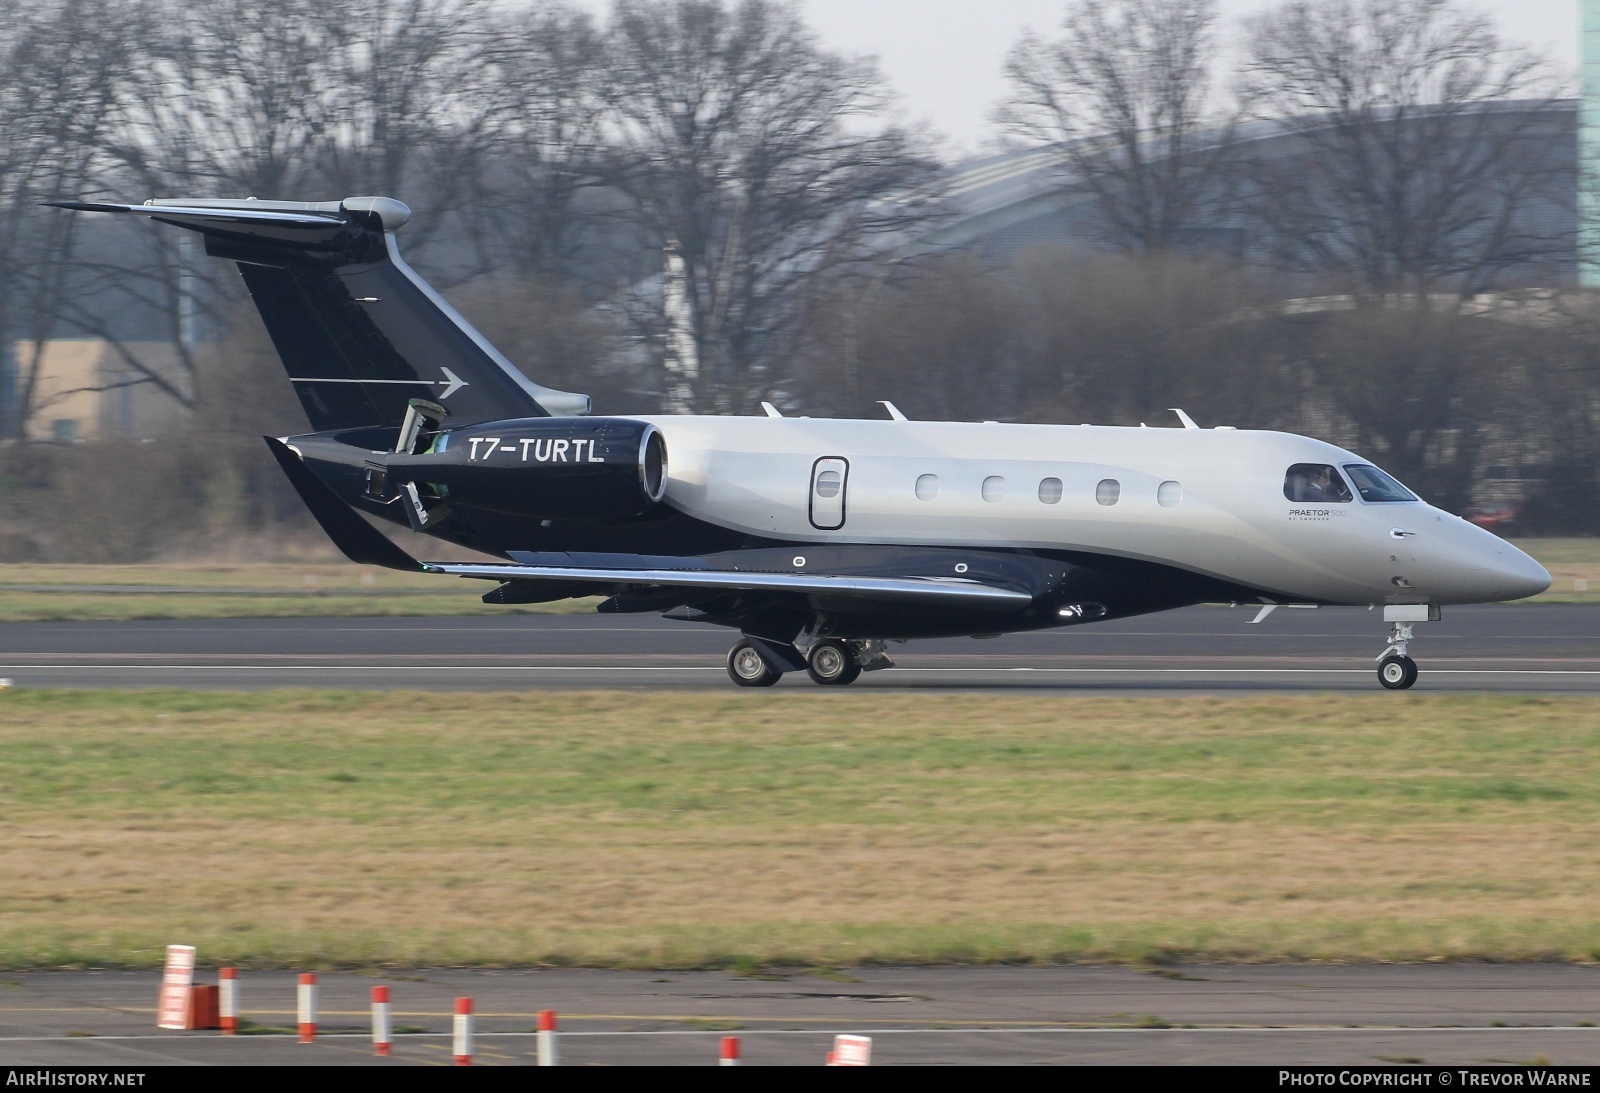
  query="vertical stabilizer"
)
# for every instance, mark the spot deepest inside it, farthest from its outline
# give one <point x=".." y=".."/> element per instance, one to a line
<point x="358" y="331"/>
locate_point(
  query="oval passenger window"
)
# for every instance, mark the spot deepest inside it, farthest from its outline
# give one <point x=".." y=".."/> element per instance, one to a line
<point x="1108" y="491"/>
<point x="828" y="484"/>
<point x="1169" y="494"/>
<point x="994" y="488"/>
<point x="1050" y="490"/>
<point x="927" y="487"/>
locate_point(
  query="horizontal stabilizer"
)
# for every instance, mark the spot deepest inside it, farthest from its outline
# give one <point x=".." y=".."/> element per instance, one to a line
<point x="360" y="333"/>
<point x="179" y="214"/>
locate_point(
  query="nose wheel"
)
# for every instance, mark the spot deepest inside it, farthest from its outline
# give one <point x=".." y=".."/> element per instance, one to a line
<point x="1397" y="672"/>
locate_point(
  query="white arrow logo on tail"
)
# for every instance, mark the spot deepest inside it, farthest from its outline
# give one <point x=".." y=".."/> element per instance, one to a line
<point x="452" y="382"/>
<point x="456" y="383"/>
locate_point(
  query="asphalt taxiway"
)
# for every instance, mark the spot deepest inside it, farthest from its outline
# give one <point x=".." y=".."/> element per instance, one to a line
<point x="1280" y="1015"/>
<point x="1544" y="648"/>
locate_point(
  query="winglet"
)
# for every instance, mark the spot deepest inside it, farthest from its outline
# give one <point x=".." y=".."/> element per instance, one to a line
<point x="358" y="540"/>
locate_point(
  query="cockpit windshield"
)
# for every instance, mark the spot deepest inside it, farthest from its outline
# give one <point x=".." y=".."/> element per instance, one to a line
<point x="1374" y="485"/>
<point x="1315" y="483"/>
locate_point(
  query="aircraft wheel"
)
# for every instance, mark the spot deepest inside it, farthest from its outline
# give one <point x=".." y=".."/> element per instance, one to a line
<point x="830" y="663"/>
<point x="747" y="668"/>
<point x="1397" y="673"/>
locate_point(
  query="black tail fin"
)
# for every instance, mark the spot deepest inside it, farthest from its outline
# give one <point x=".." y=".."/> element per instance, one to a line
<point x="359" y="332"/>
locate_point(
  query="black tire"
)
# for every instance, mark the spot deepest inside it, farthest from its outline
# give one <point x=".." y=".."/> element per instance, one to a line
<point x="831" y="663"/>
<point x="1397" y="673"/>
<point x="748" y="668"/>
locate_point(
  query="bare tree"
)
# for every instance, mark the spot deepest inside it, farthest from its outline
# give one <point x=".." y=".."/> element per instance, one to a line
<point x="545" y="152"/>
<point x="1123" y="97"/>
<point x="1424" y="145"/>
<point x="759" y="159"/>
<point x="63" y="67"/>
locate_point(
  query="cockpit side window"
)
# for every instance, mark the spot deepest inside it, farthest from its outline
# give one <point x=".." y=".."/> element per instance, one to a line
<point x="1315" y="483"/>
<point x="1374" y="485"/>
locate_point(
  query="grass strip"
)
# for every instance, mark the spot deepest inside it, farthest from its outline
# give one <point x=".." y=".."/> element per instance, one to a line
<point x="670" y="829"/>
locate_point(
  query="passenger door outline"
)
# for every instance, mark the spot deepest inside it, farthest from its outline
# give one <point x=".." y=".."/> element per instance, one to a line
<point x="827" y="513"/>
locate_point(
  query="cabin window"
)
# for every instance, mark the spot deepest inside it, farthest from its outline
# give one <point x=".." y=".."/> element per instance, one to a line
<point x="994" y="488"/>
<point x="927" y="487"/>
<point x="828" y="483"/>
<point x="1316" y="483"/>
<point x="1374" y="485"/>
<point x="1050" y="491"/>
<point x="1108" y="491"/>
<point x="1169" y="494"/>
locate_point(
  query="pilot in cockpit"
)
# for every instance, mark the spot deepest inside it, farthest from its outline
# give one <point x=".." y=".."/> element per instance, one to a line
<point x="1315" y="482"/>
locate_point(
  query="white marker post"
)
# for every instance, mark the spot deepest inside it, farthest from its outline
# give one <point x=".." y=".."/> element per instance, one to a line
<point x="306" y="996"/>
<point x="851" y="1051"/>
<point x="228" y="1000"/>
<point x="730" y="1051"/>
<point x="172" y="1009"/>
<point x="381" y="1035"/>
<point x="463" y="1032"/>
<point x="547" y="1038"/>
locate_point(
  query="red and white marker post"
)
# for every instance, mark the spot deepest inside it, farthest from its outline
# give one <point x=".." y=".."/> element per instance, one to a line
<point x="306" y="996"/>
<point x="851" y="1051"/>
<point x="463" y="1032"/>
<point x="228" y="1000"/>
<point x="381" y="1035"/>
<point x="547" y="1038"/>
<point x="730" y="1051"/>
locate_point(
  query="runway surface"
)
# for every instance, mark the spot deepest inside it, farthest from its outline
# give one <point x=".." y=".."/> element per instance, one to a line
<point x="1322" y="1015"/>
<point x="1547" y="648"/>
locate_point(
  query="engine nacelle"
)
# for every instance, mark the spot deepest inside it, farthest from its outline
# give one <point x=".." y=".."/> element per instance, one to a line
<point x="601" y="469"/>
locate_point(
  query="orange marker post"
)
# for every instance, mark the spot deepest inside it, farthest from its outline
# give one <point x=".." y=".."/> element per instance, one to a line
<point x="463" y="1032"/>
<point x="307" y="999"/>
<point x="381" y="1035"/>
<point x="730" y="1051"/>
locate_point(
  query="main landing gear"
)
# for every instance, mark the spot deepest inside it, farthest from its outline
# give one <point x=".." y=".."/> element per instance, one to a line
<point x="831" y="662"/>
<point x="1396" y="670"/>
<point x="747" y="668"/>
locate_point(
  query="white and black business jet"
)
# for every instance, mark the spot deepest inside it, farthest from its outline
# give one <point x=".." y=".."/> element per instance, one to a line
<point x="819" y="540"/>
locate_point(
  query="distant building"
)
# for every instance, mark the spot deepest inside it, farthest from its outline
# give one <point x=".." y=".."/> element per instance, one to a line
<point x="86" y="390"/>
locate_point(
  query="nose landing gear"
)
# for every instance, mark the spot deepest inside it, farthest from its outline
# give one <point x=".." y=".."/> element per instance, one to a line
<point x="1396" y="670"/>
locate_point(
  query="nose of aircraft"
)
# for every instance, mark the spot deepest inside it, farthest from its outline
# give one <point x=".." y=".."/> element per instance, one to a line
<point x="1518" y="575"/>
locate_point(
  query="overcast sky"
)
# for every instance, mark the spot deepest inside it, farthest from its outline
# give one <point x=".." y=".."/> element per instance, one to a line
<point x="944" y="57"/>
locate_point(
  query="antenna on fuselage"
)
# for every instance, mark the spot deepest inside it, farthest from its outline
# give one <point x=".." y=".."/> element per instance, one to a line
<point x="1188" y="422"/>
<point x="894" y="411"/>
<point x="771" y="410"/>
